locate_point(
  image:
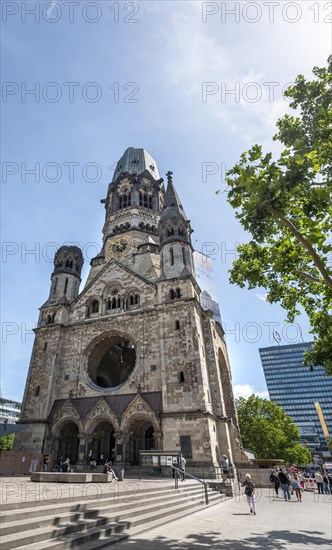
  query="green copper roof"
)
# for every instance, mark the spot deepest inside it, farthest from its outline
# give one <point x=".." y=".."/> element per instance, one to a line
<point x="136" y="161"/>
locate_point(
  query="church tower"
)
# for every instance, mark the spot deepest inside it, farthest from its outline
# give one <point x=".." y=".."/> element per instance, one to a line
<point x="175" y="236"/>
<point x="131" y="361"/>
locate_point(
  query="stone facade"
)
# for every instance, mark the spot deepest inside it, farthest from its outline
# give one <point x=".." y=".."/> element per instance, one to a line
<point x="131" y="362"/>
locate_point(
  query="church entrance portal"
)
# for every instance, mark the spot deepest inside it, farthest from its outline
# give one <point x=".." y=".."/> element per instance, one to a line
<point x="68" y="443"/>
<point x="103" y="442"/>
<point x="141" y="438"/>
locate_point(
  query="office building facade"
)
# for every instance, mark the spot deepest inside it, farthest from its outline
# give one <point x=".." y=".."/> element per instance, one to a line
<point x="304" y="393"/>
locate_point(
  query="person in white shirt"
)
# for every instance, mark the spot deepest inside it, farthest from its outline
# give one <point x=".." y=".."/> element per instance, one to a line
<point x="182" y="465"/>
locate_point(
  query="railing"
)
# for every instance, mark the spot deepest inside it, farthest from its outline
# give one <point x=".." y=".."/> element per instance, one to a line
<point x="182" y="472"/>
<point x="214" y="473"/>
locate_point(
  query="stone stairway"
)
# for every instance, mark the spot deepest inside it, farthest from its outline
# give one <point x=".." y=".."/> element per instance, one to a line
<point x="97" y="523"/>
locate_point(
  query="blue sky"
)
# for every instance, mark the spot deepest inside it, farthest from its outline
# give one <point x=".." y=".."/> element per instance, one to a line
<point x="147" y="74"/>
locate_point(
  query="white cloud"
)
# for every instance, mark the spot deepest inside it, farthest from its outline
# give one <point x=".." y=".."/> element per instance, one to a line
<point x="262" y="296"/>
<point x="246" y="390"/>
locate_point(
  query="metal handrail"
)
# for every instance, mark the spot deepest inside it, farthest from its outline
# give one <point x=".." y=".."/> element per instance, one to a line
<point x="192" y="477"/>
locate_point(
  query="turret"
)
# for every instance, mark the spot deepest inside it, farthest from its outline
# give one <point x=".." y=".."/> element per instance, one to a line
<point x="66" y="277"/>
<point x="175" y="236"/>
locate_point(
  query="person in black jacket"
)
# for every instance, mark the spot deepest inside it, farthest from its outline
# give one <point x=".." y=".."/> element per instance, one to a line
<point x="285" y="483"/>
<point x="275" y="479"/>
<point x="249" y="491"/>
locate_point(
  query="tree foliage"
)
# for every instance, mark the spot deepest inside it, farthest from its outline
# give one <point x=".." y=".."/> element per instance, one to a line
<point x="286" y="205"/>
<point x="6" y="442"/>
<point x="268" y="432"/>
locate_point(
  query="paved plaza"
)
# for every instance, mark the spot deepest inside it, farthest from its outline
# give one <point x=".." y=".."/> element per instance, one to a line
<point x="278" y="525"/>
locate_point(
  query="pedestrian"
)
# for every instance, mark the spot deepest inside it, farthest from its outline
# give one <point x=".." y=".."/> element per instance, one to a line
<point x="108" y="469"/>
<point x="249" y="491"/>
<point x="65" y="466"/>
<point x="46" y="459"/>
<point x="59" y="464"/>
<point x="326" y="482"/>
<point x="182" y="467"/>
<point x="301" y="480"/>
<point x="329" y="475"/>
<point x="225" y="466"/>
<point x="93" y="463"/>
<point x="275" y="480"/>
<point x="284" y="483"/>
<point x="297" y="487"/>
<point x="320" y="482"/>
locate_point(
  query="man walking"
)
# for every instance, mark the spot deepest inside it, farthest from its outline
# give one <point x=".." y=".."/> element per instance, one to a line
<point x="275" y="480"/>
<point x="320" y="482"/>
<point x="284" y="483"/>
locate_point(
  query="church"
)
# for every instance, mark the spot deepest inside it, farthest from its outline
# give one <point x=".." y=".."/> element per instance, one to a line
<point x="132" y="361"/>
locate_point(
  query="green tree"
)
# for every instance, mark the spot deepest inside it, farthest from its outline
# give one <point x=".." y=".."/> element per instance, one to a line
<point x="286" y="205"/>
<point x="329" y="444"/>
<point x="6" y="442"/>
<point x="268" y="432"/>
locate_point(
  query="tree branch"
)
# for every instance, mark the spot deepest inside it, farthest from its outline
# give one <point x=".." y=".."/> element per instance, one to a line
<point x="316" y="259"/>
<point x="308" y="276"/>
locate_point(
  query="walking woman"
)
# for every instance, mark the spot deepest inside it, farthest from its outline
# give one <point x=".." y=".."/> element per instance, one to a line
<point x="249" y="491"/>
<point x="297" y="487"/>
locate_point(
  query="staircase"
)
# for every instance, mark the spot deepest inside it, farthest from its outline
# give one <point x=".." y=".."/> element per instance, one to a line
<point x="92" y="524"/>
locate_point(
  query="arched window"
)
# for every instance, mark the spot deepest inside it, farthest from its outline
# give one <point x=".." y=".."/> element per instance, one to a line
<point x="170" y="231"/>
<point x="133" y="300"/>
<point x="145" y="200"/>
<point x="181" y="231"/>
<point x="172" y="294"/>
<point x="178" y="293"/>
<point x="184" y="255"/>
<point x="177" y="325"/>
<point x="95" y="306"/>
<point x="171" y="256"/>
<point x="124" y="200"/>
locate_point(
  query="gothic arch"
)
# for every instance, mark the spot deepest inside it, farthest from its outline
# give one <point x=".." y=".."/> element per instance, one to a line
<point x="65" y="415"/>
<point x="61" y="423"/>
<point x="138" y="409"/>
<point x="141" y="432"/>
<point x="68" y="441"/>
<point x="101" y="412"/>
<point x="110" y="287"/>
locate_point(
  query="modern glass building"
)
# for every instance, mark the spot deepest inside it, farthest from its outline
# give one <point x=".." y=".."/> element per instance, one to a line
<point x="303" y="393"/>
<point x="9" y="410"/>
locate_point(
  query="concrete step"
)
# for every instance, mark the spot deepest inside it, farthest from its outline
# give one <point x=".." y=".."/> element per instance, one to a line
<point x="115" y="500"/>
<point x="109" y="509"/>
<point x="83" y="493"/>
<point x="113" y="533"/>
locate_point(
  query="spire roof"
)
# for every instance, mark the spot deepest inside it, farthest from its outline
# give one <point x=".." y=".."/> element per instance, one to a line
<point x="135" y="161"/>
<point x="172" y="199"/>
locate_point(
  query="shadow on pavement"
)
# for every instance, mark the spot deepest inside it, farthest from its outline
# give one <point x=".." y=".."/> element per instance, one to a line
<point x="272" y="540"/>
